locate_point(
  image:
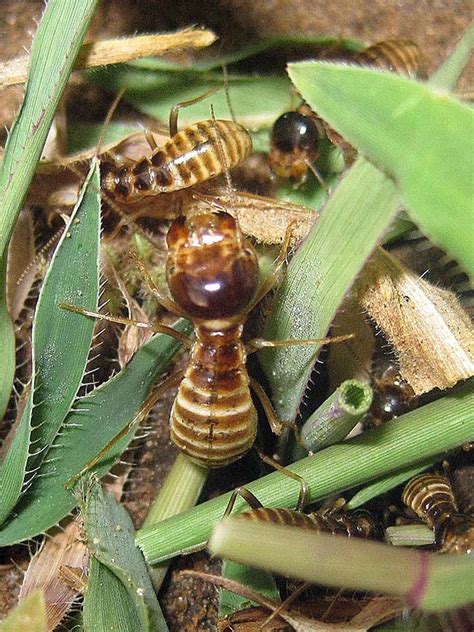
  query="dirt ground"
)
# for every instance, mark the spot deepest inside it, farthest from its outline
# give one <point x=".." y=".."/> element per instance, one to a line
<point x="435" y="25"/>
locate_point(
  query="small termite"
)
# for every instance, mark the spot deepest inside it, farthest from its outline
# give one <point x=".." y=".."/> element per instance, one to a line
<point x="212" y="275"/>
<point x="296" y="135"/>
<point x="432" y="498"/>
<point x="195" y="154"/>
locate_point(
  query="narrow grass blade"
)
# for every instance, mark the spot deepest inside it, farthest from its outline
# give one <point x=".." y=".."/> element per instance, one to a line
<point x="423" y="139"/>
<point x="404" y="442"/>
<point x="425" y="580"/>
<point x="59" y="358"/>
<point x="7" y="343"/>
<point x="92" y="423"/>
<point x="386" y="484"/>
<point x="119" y="594"/>
<point x="55" y="47"/>
<point x="449" y="72"/>
<point x="30" y="614"/>
<point x="319" y="276"/>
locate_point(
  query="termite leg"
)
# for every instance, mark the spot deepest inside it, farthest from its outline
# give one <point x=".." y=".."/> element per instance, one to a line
<point x="285" y="604"/>
<point x="247" y="495"/>
<point x="157" y="292"/>
<point x="150" y="139"/>
<point x="304" y="488"/>
<point x="156" y="327"/>
<point x="144" y="409"/>
<point x="259" y="343"/>
<point x="277" y="425"/>
<point x="173" y="121"/>
<point x="272" y="278"/>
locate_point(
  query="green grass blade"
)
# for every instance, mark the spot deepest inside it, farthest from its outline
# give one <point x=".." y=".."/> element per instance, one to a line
<point x="258" y="580"/>
<point x="320" y="275"/>
<point x="93" y="422"/>
<point x="119" y="594"/>
<point x="404" y="442"/>
<point x="30" y="614"/>
<point x="449" y="72"/>
<point x="7" y="343"/>
<point x="55" y="46"/>
<point x="423" y="139"/>
<point x="59" y="358"/>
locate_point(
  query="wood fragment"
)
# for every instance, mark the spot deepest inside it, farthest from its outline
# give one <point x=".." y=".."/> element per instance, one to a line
<point x="427" y="327"/>
<point x="116" y="51"/>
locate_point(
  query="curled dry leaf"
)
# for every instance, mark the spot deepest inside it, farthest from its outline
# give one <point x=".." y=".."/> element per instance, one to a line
<point x="62" y="558"/>
<point x="115" y="51"/>
<point x="426" y="325"/>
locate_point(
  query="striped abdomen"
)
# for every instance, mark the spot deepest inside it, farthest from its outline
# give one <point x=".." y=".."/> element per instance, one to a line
<point x="401" y="56"/>
<point x="195" y="154"/>
<point x="213" y="419"/>
<point x="431" y="497"/>
<point x="337" y="523"/>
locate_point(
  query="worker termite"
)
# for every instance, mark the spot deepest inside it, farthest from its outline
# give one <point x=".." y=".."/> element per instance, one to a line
<point x="431" y="497"/>
<point x="295" y="136"/>
<point x="212" y="275"/>
<point x="393" y="396"/>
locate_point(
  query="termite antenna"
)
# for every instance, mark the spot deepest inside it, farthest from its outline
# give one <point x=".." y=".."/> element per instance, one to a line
<point x="227" y="93"/>
<point x="221" y="152"/>
<point x="108" y="118"/>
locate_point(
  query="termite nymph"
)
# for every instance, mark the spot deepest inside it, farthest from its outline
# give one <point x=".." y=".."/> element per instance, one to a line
<point x="431" y="497"/>
<point x="195" y="154"/>
<point x="401" y="56"/>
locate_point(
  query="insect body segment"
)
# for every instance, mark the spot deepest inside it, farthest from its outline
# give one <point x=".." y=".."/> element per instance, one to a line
<point x="195" y="154"/>
<point x="401" y="56"/>
<point x="357" y="524"/>
<point x="431" y="497"/>
<point x="212" y="274"/>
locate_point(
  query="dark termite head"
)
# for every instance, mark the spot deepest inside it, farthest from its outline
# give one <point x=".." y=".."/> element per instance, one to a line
<point x="212" y="271"/>
<point x="294" y="144"/>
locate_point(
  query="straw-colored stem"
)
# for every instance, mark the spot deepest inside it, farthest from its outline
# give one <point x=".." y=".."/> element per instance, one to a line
<point x="337" y="416"/>
<point x="410" y="535"/>
<point x="425" y="580"/>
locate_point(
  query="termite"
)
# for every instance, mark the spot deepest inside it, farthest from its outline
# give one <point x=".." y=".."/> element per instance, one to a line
<point x="432" y="498"/>
<point x="393" y="396"/>
<point x="212" y="275"/>
<point x="295" y="136"/>
<point x="195" y="154"/>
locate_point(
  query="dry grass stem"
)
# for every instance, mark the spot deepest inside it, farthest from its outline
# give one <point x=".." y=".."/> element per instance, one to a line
<point x="427" y="327"/>
<point x="116" y="51"/>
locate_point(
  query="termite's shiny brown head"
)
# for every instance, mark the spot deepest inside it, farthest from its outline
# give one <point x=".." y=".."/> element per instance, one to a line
<point x="294" y="143"/>
<point x="212" y="271"/>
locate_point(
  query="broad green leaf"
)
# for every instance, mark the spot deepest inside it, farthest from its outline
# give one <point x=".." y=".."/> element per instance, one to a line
<point x="156" y="93"/>
<point x="30" y="614"/>
<point x="59" y="358"/>
<point x="319" y="276"/>
<point x="119" y="594"/>
<point x="94" y="420"/>
<point x="423" y="138"/>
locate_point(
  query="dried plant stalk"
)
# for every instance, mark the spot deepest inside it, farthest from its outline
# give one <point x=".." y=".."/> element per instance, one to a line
<point x="63" y="555"/>
<point x="116" y="51"/>
<point x="427" y="327"/>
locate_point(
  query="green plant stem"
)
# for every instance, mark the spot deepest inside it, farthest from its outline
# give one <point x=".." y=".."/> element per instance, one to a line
<point x="337" y="416"/>
<point x="401" y="443"/>
<point x="410" y="535"/>
<point x="425" y="580"/>
<point x="180" y="491"/>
